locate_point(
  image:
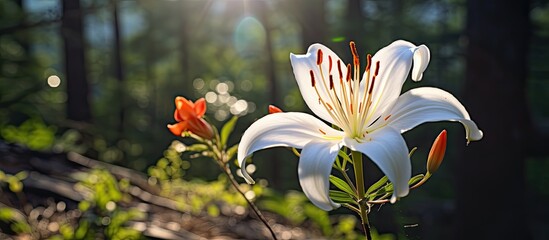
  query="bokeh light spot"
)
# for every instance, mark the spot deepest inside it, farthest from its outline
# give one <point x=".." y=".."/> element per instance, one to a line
<point x="211" y="97"/>
<point x="198" y="83"/>
<point x="222" y="88"/>
<point x="54" y="81"/>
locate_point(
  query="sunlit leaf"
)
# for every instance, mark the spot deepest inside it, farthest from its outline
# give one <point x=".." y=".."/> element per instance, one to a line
<point x="15" y="186"/>
<point x="338" y="39"/>
<point x="377" y="185"/>
<point x="341" y="197"/>
<point x="227" y="130"/>
<point x="345" y="156"/>
<point x="21" y="175"/>
<point x="199" y="147"/>
<point x="415" y="179"/>
<point x="342" y="185"/>
<point x="232" y="151"/>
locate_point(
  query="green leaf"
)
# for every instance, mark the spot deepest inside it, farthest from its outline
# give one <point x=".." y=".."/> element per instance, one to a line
<point x="412" y="152"/>
<point x="337" y="164"/>
<point x="345" y="156"/>
<point x="15" y="186"/>
<point x="389" y="188"/>
<point x="342" y="185"/>
<point x="377" y="185"/>
<point x="415" y="179"/>
<point x="232" y="151"/>
<point x="227" y="130"/>
<point x="21" y="175"/>
<point x="341" y="197"/>
<point x="384" y="190"/>
<point x="199" y="147"/>
<point x="338" y="39"/>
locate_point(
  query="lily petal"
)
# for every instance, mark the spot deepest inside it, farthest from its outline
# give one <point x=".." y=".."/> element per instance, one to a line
<point x="303" y="64"/>
<point x="178" y="128"/>
<point x="428" y="104"/>
<point x="200" y="107"/>
<point x="395" y="63"/>
<point x="314" y="170"/>
<point x="387" y="149"/>
<point x="185" y="109"/>
<point x="285" y="129"/>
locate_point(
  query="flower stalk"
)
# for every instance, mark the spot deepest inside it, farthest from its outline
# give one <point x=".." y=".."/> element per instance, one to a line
<point x="359" y="177"/>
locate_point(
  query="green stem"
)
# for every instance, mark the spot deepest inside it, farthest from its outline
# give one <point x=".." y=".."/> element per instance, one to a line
<point x="359" y="176"/>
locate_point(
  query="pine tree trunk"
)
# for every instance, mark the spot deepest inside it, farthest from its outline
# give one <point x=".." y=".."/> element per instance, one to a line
<point x="78" y="105"/>
<point x="490" y="203"/>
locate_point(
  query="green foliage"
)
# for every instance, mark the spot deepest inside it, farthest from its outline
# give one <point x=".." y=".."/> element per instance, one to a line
<point x="341" y="197"/>
<point x="415" y="179"/>
<point x="172" y="166"/>
<point x="101" y="214"/>
<point x="33" y="133"/>
<point x="342" y="185"/>
<point x="381" y="182"/>
<point x="295" y="207"/>
<point x="15" y="219"/>
<point x="345" y="229"/>
<point x="116" y="229"/>
<point x="104" y="190"/>
<point x="13" y="181"/>
<point x="227" y="130"/>
<point x="197" y="196"/>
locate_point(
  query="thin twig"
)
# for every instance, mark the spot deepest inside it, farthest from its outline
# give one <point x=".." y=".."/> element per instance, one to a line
<point x="229" y="174"/>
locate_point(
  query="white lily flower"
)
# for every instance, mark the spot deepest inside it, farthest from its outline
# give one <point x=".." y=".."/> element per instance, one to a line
<point x="370" y="112"/>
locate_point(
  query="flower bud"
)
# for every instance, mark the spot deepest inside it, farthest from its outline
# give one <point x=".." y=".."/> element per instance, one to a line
<point x="437" y="152"/>
<point x="189" y="117"/>
<point x="274" y="109"/>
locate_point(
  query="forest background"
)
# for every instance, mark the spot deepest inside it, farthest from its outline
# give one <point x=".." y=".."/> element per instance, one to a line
<point x="99" y="77"/>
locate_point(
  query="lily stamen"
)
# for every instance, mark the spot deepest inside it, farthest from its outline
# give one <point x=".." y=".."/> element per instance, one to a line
<point x="319" y="57"/>
<point x="326" y="105"/>
<point x="339" y="111"/>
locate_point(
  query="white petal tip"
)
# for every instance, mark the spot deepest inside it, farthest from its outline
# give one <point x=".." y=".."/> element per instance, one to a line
<point x="417" y="78"/>
<point x="475" y="136"/>
<point x="393" y="199"/>
<point x="249" y="181"/>
<point x="421" y="60"/>
<point x="247" y="176"/>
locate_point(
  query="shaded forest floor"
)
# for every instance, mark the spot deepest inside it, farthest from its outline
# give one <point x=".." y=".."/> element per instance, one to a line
<point x="69" y="196"/>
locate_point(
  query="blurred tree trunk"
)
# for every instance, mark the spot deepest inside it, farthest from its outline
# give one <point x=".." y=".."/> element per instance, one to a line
<point x="118" y="67"/>
<point x="78" y="106"/>
<point x="23" y="21"/>
<point x="490" y="203"/>
<point x="311" y="15"/>
<point x="184" y="50"/>
<point x="354" y="28"/>
<point x="261" y="9"/>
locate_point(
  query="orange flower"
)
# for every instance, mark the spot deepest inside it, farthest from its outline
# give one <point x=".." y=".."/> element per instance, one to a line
<point x="189" y="118"/>
<point x="437" y="152"/>
<point x="274" y="109"/>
